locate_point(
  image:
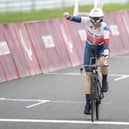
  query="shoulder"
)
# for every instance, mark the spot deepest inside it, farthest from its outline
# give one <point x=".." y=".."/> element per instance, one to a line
<point x="105" y="26"/>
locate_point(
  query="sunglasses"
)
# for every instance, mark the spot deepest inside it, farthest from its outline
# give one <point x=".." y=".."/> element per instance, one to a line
<point x="96" y="19"/>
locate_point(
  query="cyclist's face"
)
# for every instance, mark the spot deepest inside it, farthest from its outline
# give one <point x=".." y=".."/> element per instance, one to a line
<point x="96" y="24"/>
<point x="96" y="21"/>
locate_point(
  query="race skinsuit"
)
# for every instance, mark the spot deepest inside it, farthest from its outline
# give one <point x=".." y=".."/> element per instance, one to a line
<point x="97" y="39"/>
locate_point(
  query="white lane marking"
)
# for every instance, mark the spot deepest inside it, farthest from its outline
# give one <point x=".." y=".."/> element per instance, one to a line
<point x="45" y="101"/>
<point x="27" y="100"/>
<point x="65" y="121"/>
<point x="36" y="104"/>
<point x="122" y="77"/>
<point x="62" y="74"/>
<point x="22" y="100"/>
<point x="119" y="76"/>
<point x="74" y="102"/>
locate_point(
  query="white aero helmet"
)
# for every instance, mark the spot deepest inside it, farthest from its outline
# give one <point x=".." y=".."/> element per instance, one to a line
<point x="96" y="15"/>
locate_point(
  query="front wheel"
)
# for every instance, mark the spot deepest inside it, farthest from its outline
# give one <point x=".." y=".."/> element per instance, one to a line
<point x="98" y="98"/>
<point x="97" y="110"/>
<point x="93" y="100"/>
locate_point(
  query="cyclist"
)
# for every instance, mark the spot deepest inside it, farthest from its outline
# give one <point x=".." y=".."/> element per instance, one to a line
<point x="98" y="38"/>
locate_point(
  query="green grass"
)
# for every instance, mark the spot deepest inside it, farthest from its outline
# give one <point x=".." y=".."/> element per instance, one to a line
<point x="52" y="14"/>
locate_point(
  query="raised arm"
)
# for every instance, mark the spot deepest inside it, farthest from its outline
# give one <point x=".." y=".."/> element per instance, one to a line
<point x="78" y="19"/>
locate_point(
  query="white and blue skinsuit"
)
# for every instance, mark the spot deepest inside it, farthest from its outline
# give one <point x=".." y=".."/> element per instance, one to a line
<point x="97" y="39"/>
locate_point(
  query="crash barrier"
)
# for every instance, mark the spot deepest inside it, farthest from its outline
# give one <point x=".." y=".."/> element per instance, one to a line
<point x="28" y="49"/>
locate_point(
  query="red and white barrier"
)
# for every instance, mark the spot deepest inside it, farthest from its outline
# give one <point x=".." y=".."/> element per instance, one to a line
<point x="8" y="68"/>
<point x="22" y="50"/>
<point x="118" y="34"/>
<point x="50" y="51"/>
<point x="28" y="49"/>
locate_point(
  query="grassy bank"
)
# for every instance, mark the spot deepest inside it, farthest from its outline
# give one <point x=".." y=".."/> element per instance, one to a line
<point x="55" y="13"/>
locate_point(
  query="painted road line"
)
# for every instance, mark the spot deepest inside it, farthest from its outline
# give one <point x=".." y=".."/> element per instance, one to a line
<point x="122" y="77"/>
<point x="65" y="121"/>
<point x="22" y="100"/>
<point x="39" y="101"/>
<point x="67" y="74"/>
<point x="119" y="76"/>
<point x="36" y="104"/>
<point x="74" y="102"/>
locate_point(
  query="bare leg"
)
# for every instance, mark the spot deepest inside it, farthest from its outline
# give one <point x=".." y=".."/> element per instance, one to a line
<point x="102" y="61"/>
<point x="104" y="71"/>
<point x="88" y="83"/>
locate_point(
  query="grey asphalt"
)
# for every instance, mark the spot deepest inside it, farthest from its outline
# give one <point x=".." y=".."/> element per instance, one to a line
<point x="56" y="100"/>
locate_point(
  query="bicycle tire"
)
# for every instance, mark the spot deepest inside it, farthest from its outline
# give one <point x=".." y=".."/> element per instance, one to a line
<point x="97" y="110"/>
<point x="98" y="98"/>
<point x="93" y="103"/>
<point x="97" y="101"/>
